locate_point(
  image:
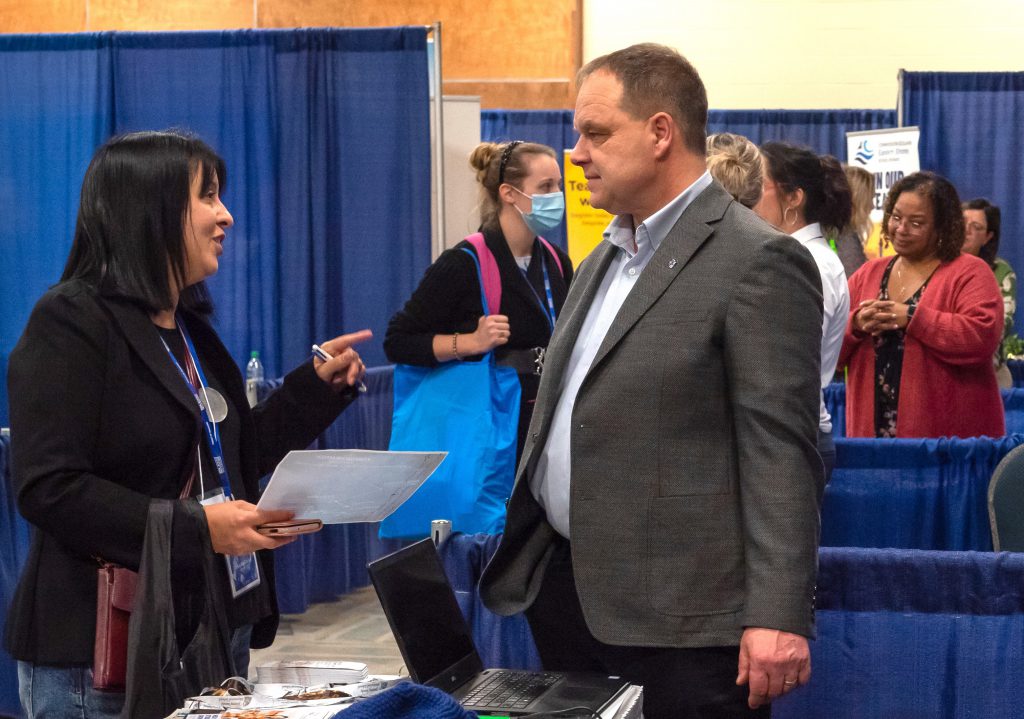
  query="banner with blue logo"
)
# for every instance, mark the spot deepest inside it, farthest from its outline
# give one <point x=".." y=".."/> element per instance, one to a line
<point x="888" y="155"/>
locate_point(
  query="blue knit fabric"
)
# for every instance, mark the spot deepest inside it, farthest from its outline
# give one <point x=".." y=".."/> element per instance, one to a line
<point x="407" y="701"/>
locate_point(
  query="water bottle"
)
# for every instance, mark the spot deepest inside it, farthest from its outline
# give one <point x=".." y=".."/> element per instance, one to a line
<point x="253" y="378"/>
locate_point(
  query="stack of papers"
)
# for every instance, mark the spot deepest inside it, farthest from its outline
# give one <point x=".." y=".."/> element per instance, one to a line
<point x="310" y="673"/>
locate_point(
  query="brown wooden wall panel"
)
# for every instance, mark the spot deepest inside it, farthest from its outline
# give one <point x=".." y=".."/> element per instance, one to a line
<point x="516" y="95"/>
<point x="500" y="38"/>
<point x="158" y="15"/>
<point x="42" y="15"/>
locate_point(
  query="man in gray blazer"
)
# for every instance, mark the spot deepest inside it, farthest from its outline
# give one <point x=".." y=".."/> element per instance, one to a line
<point x="664" y="521"/>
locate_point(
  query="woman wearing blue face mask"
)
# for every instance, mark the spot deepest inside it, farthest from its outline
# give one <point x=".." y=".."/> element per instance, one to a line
<point x="520" y="199"/>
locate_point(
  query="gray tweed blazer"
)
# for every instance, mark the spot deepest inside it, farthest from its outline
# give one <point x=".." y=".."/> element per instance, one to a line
<point x="696" y="482"/>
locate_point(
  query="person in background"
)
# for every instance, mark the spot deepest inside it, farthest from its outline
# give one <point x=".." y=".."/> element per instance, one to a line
<point x="852" y="238"/>
<point x="736" y="163"/>
<point x="981" y="223"/>
<point x="105" y="386"/>
<point x="924" y="325"/>
<point x="664" y="522"/>
<point x="520" y="199"/>
<point x="808" y="197"/>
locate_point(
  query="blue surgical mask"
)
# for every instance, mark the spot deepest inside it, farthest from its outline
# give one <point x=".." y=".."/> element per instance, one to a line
<point x="546" y="211"/>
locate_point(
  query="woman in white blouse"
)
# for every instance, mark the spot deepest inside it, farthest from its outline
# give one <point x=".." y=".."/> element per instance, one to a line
<point x="808" y="197"/>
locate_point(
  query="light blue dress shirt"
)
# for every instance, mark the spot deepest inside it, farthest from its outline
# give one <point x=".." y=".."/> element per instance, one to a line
<point x="551" y="479"/>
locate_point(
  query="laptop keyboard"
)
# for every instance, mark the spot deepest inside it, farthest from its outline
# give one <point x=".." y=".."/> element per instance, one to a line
<point x="509" y="689"/>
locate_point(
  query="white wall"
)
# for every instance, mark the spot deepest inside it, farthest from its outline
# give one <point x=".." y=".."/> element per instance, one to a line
<point x="797" y="54"/>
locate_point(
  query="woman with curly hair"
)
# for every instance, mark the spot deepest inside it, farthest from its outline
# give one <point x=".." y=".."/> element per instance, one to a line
<point x="923" y="325"/>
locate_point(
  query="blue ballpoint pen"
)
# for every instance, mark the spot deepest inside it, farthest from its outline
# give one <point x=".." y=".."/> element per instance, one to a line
<point x="321" y="353"/>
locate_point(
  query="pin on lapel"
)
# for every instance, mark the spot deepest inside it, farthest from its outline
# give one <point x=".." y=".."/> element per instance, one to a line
<point x="672" y="263"/>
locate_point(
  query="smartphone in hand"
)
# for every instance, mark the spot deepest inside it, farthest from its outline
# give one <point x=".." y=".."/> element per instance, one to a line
<point x="290" y="527"/>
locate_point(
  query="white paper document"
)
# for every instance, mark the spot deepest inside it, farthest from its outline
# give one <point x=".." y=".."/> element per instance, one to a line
<point x="338" y="486"/>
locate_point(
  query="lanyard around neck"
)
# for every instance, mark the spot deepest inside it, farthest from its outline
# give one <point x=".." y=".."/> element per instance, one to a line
<point x="195" y="380"/>
<point x="549" y="312"/>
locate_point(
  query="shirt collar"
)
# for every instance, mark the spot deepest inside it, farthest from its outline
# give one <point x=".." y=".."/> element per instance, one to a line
<point x="807" y="233"/>
<point x="656" y="227"/>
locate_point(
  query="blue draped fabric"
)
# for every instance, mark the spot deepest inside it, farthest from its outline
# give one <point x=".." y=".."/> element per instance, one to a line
<point x="13" y="552"/>
<point x="1013" y="406"/>
<point x="1013" y="403"/>
<point x="503" y="642"/>
<point x="971" y="133"/>
<point x="1016" y="372"/>
<point x="57" y="100"/>
<point x="912" y="493"/>
<point x="900" y="633"/>
<point x="548" y="127"/>
<point x="331" y="205"/>
<point x="914" y="635"/>
<point x="824" y="131"/>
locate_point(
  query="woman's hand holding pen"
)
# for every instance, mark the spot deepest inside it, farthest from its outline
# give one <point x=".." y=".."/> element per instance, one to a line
<point x="338" y="364"/>
<point x="233" y="527"/>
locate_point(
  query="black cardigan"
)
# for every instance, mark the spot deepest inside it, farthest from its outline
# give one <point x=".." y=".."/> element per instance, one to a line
<point x="101" y="422"/>
<point x="448" y="300"/>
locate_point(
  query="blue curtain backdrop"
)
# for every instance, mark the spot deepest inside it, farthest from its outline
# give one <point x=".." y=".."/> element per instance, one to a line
<point x="822" y="130"/>
<point x="331" y="202"/>
<point x="972" y="131"/>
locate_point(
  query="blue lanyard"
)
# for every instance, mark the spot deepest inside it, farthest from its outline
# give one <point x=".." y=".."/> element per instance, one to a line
<point x="550" y="311"/>
<point x="209" y="426"/>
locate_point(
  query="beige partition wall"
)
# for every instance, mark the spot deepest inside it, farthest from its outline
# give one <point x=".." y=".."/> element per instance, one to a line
<point x="814" y="54"/>
<point x="510" y="53"/>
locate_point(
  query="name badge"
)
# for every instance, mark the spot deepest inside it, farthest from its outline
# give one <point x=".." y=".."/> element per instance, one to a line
<point x="243" y="570"/>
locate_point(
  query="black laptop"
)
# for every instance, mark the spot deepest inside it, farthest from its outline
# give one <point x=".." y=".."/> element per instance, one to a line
<point x="438" y="647"/>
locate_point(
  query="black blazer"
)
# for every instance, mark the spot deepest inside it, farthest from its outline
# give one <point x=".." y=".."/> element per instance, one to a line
<point x="448" y="300"/>
<point x="101" y="423"/>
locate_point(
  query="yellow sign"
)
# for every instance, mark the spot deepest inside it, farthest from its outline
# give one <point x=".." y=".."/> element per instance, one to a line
<point x="583" y="223"/>
<point x="875" y="246"/>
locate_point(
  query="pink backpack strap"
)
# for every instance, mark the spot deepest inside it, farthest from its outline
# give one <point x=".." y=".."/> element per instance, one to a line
<point x="553" y="254"/>
<point x="488" y="273"/>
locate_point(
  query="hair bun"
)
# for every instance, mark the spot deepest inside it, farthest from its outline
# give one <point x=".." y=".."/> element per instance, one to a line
<point x="483" y="154"/>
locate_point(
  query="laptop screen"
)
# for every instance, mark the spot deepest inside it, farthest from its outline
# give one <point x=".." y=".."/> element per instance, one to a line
<point x="422" y="610"/>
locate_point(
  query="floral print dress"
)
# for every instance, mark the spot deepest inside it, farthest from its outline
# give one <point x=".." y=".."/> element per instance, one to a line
<point x="889" y="363"/>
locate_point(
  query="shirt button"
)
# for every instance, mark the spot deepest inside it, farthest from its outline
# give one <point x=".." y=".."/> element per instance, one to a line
<point x="632" y="271"/>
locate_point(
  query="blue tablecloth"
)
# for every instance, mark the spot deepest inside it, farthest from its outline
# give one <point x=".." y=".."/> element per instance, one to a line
<point x="907" y="634"/>
<point x="912" y="493"/>
<point x="914" y="635"/>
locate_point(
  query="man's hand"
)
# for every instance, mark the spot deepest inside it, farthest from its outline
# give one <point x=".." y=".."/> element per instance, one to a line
<point x="772" y="663"/>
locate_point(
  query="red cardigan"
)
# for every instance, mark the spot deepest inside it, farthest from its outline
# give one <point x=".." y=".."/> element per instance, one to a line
<point x="948" y="385"/>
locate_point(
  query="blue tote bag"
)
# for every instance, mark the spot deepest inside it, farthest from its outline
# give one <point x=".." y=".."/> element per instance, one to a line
<point x="471" y="411"/>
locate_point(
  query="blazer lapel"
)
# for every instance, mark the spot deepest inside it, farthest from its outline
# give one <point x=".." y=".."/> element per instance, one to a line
<point x="690" y="232"/>
<point x="140" y="334"/>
